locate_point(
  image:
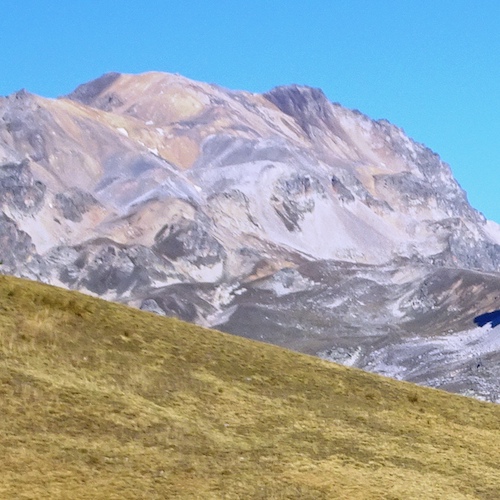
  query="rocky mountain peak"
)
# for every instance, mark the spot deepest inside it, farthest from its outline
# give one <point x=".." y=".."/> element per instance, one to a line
<point x="308" y="106"/>
<point x="21" y="95"/>
<point x="88" y="93"/>
<point x="298" y="100"/>
<point x="282" y="217"/>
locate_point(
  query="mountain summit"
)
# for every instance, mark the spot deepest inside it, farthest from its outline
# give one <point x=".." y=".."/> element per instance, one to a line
<point x="282" y="217"/>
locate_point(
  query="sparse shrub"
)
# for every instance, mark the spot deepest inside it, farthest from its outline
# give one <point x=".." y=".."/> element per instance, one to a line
<point x="413" y="397"/>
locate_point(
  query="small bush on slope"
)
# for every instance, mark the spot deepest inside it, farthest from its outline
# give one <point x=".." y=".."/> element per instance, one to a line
<point x="103" y="401"/>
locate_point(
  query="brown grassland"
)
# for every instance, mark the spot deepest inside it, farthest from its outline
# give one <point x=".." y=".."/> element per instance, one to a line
<point x="101" y="401"/>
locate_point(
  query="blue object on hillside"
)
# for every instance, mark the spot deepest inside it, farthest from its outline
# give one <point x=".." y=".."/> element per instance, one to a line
<point x="492" y="317"/>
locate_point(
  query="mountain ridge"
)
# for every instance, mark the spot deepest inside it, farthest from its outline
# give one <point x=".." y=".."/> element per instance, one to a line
<point x="238" y="210"/>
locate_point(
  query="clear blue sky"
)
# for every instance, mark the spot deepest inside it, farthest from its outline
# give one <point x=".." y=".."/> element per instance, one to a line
<point x="431" y="67"/>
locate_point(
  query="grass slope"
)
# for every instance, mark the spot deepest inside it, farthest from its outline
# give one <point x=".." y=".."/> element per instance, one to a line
<point x="103" y="401"/>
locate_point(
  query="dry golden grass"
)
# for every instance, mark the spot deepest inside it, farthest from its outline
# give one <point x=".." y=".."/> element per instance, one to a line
<point x="100" y="401"/>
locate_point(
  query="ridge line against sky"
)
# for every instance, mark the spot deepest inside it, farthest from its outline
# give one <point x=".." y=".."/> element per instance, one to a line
<point x="431" y="67"/>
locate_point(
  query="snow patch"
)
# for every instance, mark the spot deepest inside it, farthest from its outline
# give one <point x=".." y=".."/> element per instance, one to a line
<point x="122" y="131"/>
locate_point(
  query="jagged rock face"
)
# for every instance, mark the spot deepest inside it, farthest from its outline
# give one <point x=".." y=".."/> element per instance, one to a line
<point x="282" y="217"/>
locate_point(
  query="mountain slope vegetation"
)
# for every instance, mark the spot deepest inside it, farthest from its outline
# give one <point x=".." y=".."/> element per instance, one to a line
<point x="99" y="400"/>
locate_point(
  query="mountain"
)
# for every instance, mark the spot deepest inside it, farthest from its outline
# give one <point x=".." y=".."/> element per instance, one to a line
<point x="102" y="401"/>
<point x="281" y="217"/>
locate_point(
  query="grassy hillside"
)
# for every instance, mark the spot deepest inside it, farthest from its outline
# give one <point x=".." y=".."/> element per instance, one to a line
<point x="102" y="401"/>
